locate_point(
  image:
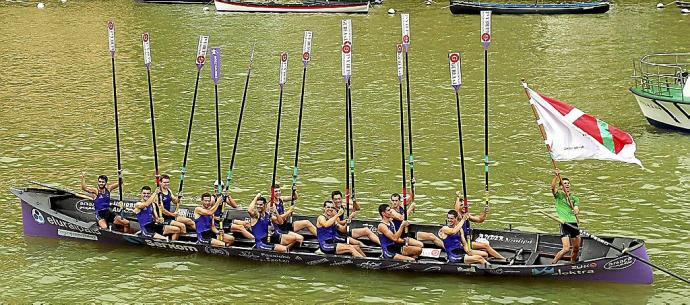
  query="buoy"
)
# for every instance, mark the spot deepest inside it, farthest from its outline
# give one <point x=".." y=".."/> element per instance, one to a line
<point x="391" y="11"/>
<point x="660" y="5"/>
<point x="63" y="1"/>
<point x="685" y="11"/>
<point x="205" y="8"/>
<point x="428" y="2"/>
<point x="40" y="5"/>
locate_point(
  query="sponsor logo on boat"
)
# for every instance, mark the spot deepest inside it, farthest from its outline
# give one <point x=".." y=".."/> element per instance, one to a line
<point x="38" y="216"/>
<point x="370" y="265"/>
<point x="432" y="268"/>
<point x="495" y="271"/>
<point x="275" y="257"/>
<point x="543" y="271"/>
<point x="68" y="225"/>
<point x="73" y="234"/>
<point x="318" y="261"/>
<point x="584" y="266"/>
<point x="471" y="269"/>
<point x="84" y="206"/>
<point x="340" y="263"/>
<point x="216" y="251"/>
<point x="573" y="272"/>
<point x="170" y="246"/>
<point x="501" y="238"/>
<point x="620" y="263"/>
<point x="399" y="267"/>
<point x="250" y="255"/>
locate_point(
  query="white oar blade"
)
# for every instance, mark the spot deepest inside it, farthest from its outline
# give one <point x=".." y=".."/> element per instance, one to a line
<point x="399" y="57"/>
<point x="283" y="68"/>
<point x="146" y="43"/>
<point x="346" y="54"/>
<point x="486" y="29"/>
<point x="306" y="48"/>
<point x="111" y="38"/>
<point x="201" y="49"/>
<point x="405" y="21"/>
<point x="455" y="70"/>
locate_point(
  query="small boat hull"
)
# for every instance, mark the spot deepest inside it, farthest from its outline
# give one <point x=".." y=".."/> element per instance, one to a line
<point x="683" y="4"/>
<point x="663" y="112"/>
<point x="55" y="214"/>
<point x="463" y="7"/>
<point x="317" y="7"/>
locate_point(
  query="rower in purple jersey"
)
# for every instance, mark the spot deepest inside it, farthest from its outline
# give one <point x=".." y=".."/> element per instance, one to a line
<point x="101" y="202"/>
<point x="326" y="231"/>
<point x="478" y="246"/>
<point x="172" y="218"/>
<point x="236" y="225"/>
<point x="455" y="243"/>
<point x="343" y="224"/>
<point x="150" y="222"/>
<point x="392" y="246"/>
<point x="288" y="226"/>
<point x="398" y="210"/>
<point x="260" y="221"/>
<point x="206" y="232"/>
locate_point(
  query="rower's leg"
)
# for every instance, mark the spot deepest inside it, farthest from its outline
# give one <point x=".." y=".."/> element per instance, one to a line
<point x="413" y="242"/>
<point x="242" y="230"/>
<point x="422" y="236"/>
<point x="412" y="251"/>
<point x="123" y="222"/>
<point x="280" y="248"/>
<point x="158" y="236"/>
<point x="103" y="224"/>
<point x="576" y="248"/>
<point x="290" y="239"/>
<point x="217" y="243"/>
<point x="566" y="247"/>
<point x="170" y="229"/>
<point x="304" y="224"/>
<point x="485" y="247"/>
<point x="471" y="259"/>
<point x="400" y="257"/>
<point x="479" y="253"/>
<point x="228" y="239"/>
<point x="359" y="250"/>
<point x="360" y="232"/>
<point x="187" y="222"/>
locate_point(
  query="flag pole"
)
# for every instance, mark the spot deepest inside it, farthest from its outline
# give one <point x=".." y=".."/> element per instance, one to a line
<point x="548" y="149"/>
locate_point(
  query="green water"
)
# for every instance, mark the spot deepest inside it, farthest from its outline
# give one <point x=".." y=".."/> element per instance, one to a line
<point x="56" y="120"/>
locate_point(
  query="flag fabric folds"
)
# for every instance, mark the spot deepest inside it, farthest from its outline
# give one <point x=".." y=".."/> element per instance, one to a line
<point x="575" y="135"/>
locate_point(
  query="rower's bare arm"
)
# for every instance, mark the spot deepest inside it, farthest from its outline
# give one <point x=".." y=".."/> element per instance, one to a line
<point x="332" y="220"/>
<point x="400" y="231"/>
<point x="86" y="188"/>
<point x="231" y="201"/>
<point x="251" y="210"/>
<point x="412" y="206"/>
<point x="458" y="201"/>
<point x="397" y="216"/>
<point x="114" y="185"/>
<point x="383" y="229"/>
<point x="465" y="245"/>
<point x="355" y="206"/>
<point x="478" y="219"/>
<point x="554" y="182"/>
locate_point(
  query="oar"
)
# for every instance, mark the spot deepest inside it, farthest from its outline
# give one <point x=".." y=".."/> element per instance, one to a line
<point x="145" y="39"/>
<point x="111" y="45"/>
<point x="239" y="121"/>
<point x="306" y="57"/>
<point x="405" y="19"/>
<point x="486" y="40"/>
<point x="200" y="60"/>
<point x="399" y="49"/>
<point x="619" y="249"/>
<point x="215" y="75"/>
<point x="456" y="81"/>
<point x="281" y="82"/>
<point x="346" y="67"/>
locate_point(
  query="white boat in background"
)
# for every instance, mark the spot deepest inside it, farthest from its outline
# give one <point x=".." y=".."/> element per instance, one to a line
<point x="662" y="89"/>
<point x="301" y="7"/>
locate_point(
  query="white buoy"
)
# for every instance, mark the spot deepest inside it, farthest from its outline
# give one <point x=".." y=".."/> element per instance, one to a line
<point x="40" y="5"/>
<point x="63" y="1"/>
<point x="659" y="5"/>
<point x="428" y="2"/>
<point x="391" y="11"/>
<point x="685" y="11"/>
<point x="205" y="8"/>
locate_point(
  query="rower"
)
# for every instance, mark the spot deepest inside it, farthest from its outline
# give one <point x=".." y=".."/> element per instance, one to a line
<point x="236" y="225"/>
<point x="206" y="233"/>
<point x="481" y="245"/>
<point x="172" y="218"/>
<point x="344" y="225"/>
<point x="260" y="221"/>
<point x="101" y="203"/>
<point x="151" y="224"/>
<point x="570" y="234"/>
<point x="326" y="230"/>
<point x="455" y="243"/>
<point x="287" y="226"/>
<point x="399" y="215"/>
<point x="392" y="246"/>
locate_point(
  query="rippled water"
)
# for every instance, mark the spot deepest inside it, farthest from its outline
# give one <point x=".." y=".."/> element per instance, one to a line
<point x="56" y="121"/>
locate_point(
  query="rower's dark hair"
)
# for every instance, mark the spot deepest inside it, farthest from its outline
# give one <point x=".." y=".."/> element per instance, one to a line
<point x="204" y="195"/>
<point x="565" y="179"/>
<point x="262" y="199"/>
<point x="453" y="212"/>
<point x="165" y="176"/>
<point x="104" y="177"/>
<point x="333" y="193"/>
<point x="382" y="208"/>
<point x="146" y="188"/>
<point x="395" y="195"/>
<point x="327" y="202"/>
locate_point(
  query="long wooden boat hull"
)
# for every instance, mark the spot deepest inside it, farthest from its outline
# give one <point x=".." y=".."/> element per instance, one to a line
<point x="58" y="214"/>
<point x="174" y="1"/>
<point x="683" y="4"/>
<point x="463" y="7"/>
<point x="664" y="112"/>
<point x="317" y="7"/>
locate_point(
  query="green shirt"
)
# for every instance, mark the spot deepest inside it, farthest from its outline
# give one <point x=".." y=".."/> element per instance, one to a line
<point x="565" y="213"/>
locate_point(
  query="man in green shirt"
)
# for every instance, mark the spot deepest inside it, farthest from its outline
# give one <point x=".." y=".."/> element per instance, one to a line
<point x="567" y="214"/>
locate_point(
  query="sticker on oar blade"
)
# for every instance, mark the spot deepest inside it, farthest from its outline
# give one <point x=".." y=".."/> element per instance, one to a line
<point x="346" y="62"/>
<point x="405" y="19"/>
<point x="201" y="48"/>
<point x="145" y="41"/>
<point x="486" y="29"/>
<point x="283" y="67"/>
<point x="306" y="48"/>
<point x="399" y="56"/>
<point x="215" y="65"/>
<point x="455" y="70"/>
<point x="111" y="37"/>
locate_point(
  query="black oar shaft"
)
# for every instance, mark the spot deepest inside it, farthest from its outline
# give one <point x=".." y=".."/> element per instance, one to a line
<point x="215" y="87"/>
<point x="153" y="135"/>
<point x="486" y="126"/>
<point x="299" y="135"/>
<point x="117" y="133"/>
<point x="275" y="153"/>
<point x="462" y="151"/>
<point x="409" y="124"/>
<point x="183" y="170"/>
<point x="402" y="150"/>
<point x="353" y="191"/>
<point x="347" y="148"/>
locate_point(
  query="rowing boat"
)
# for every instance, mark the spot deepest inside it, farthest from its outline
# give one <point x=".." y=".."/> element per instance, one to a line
<point x="57" y="213"/>
<point x="683" y="4"/>
<point x="302" y="7"/>
<point x="465" y="7"/>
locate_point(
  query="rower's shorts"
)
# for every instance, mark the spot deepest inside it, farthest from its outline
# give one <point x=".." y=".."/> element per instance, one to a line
<point x="391" y="251"/>
<point x="456" y="256"/>
<point x="106" y="214"/>
<point x="569" y="231"/>
<point x="206" y="237"/>
<point x="328" y="246"/>
<point x="268" y="243"/>
<point x="150" y="229"/>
